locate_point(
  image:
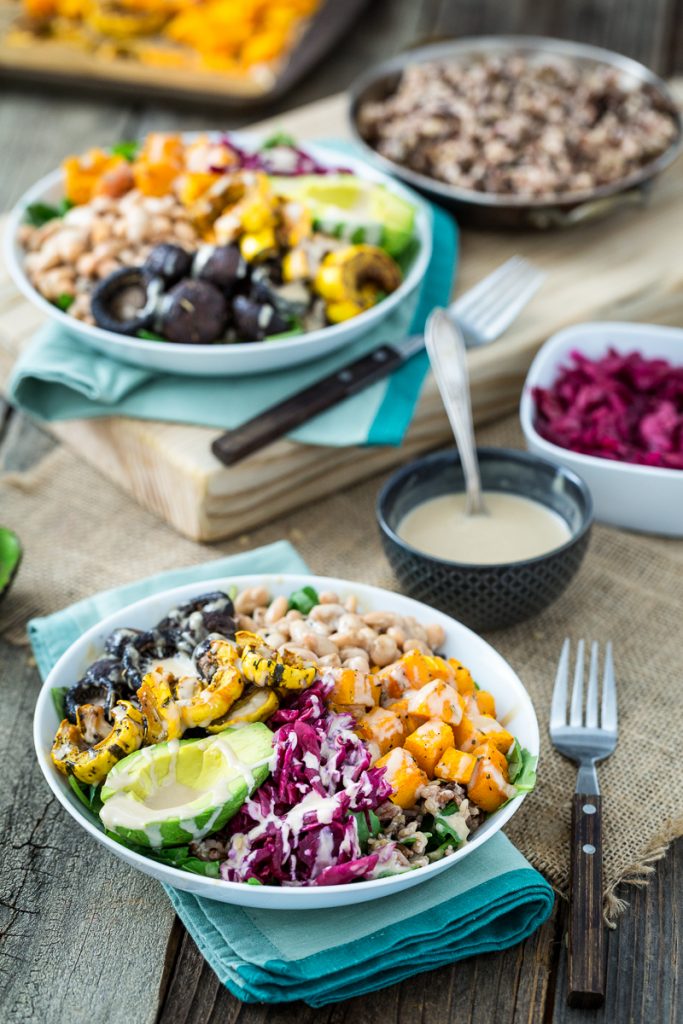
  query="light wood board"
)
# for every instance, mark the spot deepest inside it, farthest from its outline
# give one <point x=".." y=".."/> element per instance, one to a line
<point x="625" y="268"/>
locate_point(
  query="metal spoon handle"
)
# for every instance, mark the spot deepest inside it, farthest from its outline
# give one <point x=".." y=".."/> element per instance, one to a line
<point x="446" y="348"/>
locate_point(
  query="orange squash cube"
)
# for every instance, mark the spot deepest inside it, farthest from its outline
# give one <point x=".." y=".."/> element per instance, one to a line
<point x="455" y="766"/>
<point x="489" y="728"/>
<point x="428" y="744"/>
<point x="353" y="689"/>
<point x="466" y="734"/>
<point x="485" y="702"/>
<point x="435" y="699"/>
<point x="383" y="728"/>
<point x="489" y="785"/>
<point x="463" y="680"/>
<point x="403" y="775"/>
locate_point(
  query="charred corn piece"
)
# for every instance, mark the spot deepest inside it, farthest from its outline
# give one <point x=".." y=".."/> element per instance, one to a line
<point x="259" y="245"/>
<point x="296" y="266"/>
<point x="160" y="709"/>
<point x="276" y="671"/>
<point x="255" y="706"/>
<point x="67" y="745"/>
<point x="355" y="276"/>
<point x="213" y="701"/>
<point x="127" y="734"/>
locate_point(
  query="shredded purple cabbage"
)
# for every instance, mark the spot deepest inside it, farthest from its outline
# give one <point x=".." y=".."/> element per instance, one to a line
<point x="298" y="828"/>
<point x="285" y="160"/>
<point x="620" y="407"/>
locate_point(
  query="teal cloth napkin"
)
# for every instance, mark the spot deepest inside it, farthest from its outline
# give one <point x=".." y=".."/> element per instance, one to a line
<point x="492" y="900"/>
<point x="58" y="377"/>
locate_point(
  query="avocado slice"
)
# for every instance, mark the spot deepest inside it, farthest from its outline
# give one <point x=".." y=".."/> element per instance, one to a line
<point x="347" y="207"/>
<point x="181" y="790"/>
<point x="10" y="557"/>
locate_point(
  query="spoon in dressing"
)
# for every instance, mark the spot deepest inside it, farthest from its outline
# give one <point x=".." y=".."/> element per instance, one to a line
<point x="446" y="347"/>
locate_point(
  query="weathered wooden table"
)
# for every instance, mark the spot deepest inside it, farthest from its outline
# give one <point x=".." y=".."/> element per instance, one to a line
<point x="136" y="963"/>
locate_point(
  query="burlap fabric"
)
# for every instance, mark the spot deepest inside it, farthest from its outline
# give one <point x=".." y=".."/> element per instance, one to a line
<point x="81" y="535"/>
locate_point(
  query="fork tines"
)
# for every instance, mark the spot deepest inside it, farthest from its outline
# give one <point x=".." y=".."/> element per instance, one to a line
<point x="598" y="714"/>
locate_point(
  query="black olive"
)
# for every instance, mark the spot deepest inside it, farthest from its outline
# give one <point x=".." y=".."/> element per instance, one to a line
<point x="220" y="265"/>
<point x="125" y="302"/>
<point x="193" y="312"/>
<point x="169" y="262"/>
<point x="254" y="320"/>
<point x="290" y="300"/>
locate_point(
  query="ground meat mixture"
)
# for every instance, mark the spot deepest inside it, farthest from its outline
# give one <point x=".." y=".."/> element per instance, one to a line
<point x="515" y="126"/>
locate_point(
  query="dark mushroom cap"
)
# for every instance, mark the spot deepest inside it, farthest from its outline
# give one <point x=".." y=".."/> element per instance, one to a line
<point x="220" y="265"/>
<point x="140" y="655"/>
<point x="169" y="262"/>
<point x="208" y="613"/>
<point x="256" y="320"/>
<point x="125" y="302"/>
<point x="102" y="685"/>
<point x="193" y="312"/>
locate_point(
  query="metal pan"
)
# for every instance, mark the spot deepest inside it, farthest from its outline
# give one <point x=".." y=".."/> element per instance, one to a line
<point x="486" y="209"/>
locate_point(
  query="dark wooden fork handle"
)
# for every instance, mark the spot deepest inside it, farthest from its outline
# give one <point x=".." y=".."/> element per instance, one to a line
<point x="586" y="969"/>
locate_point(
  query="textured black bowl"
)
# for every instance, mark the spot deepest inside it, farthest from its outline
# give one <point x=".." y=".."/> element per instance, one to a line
<point x="486" y="596"/>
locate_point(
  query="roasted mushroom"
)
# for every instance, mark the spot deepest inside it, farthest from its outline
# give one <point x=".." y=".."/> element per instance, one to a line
<point x="193" y="313"/>
<point x="169" y="262"/>
<point x="220" y="265"/>
<point x="116" y="642"/>
<point x="291" y="300"/>
<point x="208" y="613"/>
<point x="145" y="651"/>
<point x="254" y="321"/>
<point x="352" y="280"/>
<point x="102" y="685"/>
<point x="126" y="301"/>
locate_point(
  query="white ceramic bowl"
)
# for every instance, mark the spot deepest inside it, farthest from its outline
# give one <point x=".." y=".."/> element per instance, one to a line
<point x="245" y="357"/>
<point x="487" y="666"/>
<point x="645" y="498"/>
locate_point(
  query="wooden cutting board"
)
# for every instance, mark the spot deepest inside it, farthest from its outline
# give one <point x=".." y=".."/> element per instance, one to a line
<point x="628" y="267"/>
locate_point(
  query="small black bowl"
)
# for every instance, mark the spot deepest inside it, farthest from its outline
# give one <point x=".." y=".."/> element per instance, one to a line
<point x="486" y="596"/>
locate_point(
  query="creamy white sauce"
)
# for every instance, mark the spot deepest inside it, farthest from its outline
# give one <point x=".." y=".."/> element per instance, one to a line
<point x="180" y="665"/>
<point x="515" y="528"/>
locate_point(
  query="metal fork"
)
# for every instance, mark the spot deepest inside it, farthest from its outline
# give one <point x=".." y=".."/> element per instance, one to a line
<point x="588" y="737"/>
<point x="486" y="310"/>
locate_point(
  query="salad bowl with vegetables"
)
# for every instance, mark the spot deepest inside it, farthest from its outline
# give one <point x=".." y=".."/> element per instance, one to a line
<point x="217" y="254"/>
<point x="286" y="741"/>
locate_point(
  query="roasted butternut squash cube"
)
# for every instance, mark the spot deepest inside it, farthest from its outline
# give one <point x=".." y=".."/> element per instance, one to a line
<point x="382" y="727"/>
<point x="489" y="785"/>
<point x="463" y="680"/>
<point x="428" y="743"/>
<point x="421" y="668"/>
<point x="455" y="766"/>
<point x="403" y="775"/>
<point x="466" y="734"/>
<point x="485" y="702"/>
<point x="489" y="728"/>
<point x="353" y="688"/>
<point x="435" y="700"/>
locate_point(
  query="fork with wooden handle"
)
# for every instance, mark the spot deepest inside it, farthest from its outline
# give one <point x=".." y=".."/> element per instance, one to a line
<point x="588" y="736"/>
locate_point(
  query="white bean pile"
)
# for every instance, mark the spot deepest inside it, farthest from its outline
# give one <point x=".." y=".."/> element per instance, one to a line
<point x="334" y="634"/>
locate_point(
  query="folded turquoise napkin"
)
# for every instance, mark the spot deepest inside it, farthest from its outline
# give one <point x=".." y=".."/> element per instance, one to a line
<point x="492" y="900"/>
<point x="59" y="378"/>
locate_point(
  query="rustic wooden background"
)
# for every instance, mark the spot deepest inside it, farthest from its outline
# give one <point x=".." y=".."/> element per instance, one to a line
<point x="136" y="965"/>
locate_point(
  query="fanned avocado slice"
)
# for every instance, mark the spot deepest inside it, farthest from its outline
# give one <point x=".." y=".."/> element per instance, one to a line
<point x="10" y="558"/>
<point x="352" y="209"/>
<point x="174" y="792"/>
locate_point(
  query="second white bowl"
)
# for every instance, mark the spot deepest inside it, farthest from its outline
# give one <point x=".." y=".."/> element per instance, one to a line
<point x="645" y="498"/>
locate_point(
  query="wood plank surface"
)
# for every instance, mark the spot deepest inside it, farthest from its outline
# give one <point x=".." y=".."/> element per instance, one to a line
<point x="62" y="959"/>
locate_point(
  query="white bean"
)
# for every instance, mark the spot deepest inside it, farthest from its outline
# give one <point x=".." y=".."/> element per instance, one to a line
<point x="326" y="612"/>
<point x="383" y="651"/>
<point x="277" y="609"/>
<point x="275" y="639"/>
<point x="298" y="629"/>
<point x="299" y="652"/>
<point x="319" y="644"/>
<point x="436" y="636"/>
<point x="397" y="635"/>
<point x="351" y="603"/>
<point x="353" y="652"/>
<point x="330" y="661"/>
<point x="293" y="615"/>
<point x="415" y="644"/>
<point x="357" y="663"/>
<point x="349" y="623"/>
<point x="329" y="597"/>
<point x="250" y="599"/>
<point x="380" y="620"/>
